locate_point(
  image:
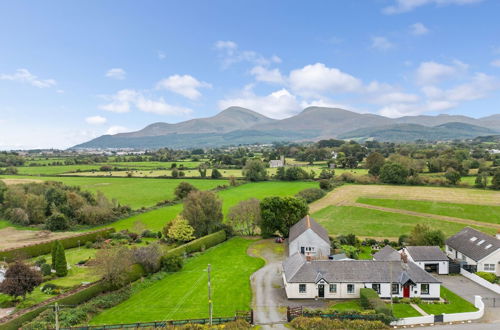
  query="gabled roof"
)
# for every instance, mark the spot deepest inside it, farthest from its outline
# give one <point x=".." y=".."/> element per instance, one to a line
<point x="298" y="270"/>
<point x="426" y="253"/>
<point x="308" y="223"/>
<point x="387" y="253"/>
<point x="473" y="243"/>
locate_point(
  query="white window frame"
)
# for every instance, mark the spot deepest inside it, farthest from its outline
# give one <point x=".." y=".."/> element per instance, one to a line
<point x="378" y="287"/>
<point x="302" y="285"/>
<point x="422" y="288"/>
<point x="353" y="289"/>
<point x="334" y="286"/>
<point x="489" y="267"/>
<point x="395" y="285"/>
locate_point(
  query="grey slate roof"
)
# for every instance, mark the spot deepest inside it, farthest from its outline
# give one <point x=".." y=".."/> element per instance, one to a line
<point x="307" y="222"/>
<point x="473" y="249"/>
<point x="426" y="253"/>
<point x="387" y="253"/>
<point x="298" y="270"/>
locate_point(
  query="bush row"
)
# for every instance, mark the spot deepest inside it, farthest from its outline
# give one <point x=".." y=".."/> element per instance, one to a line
<point x="318" y="323"/>
<point x="34" y="250"/>
<point x="197" y="245"/>
<point x="369" y="299"/>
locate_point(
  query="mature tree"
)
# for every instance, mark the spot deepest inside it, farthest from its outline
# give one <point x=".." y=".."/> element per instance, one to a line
<point x="374" y="163"/>
<point x="326" y="174"/>
<point x="452" y="176"/>
<point x="57" y="222"/>
<point x="183" y="189"/>
<point x="149" y="257"/>
<point x="325" y="184"/>
<point x="203" y="171"/>
<point x="113" y="265"/>
<point x="20" y="279"/>
<point x="424" y="235"/>
<point x="280" y="173"/>
<point x="310" y="194"/>
<point x="481" y="180"/>
<point x="3" y="189"/>
<point x="175" y="173"/>
<point x="59" y="260"/>
<point x="203" y="210"/>
<point x="216" y="174"/>
<point x="280" y="213"/>
<point x="296" y="173"/>
<point x="180" y="231"/>
<point x="255" y="170"/>
<point x="245" y="216"/>
<point x="393" y="173"/>
<point x="495" y="181"/>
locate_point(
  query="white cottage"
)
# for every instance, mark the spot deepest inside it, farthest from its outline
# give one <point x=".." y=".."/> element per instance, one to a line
<point x="429" y="258"/>
<point x="309" y="238"/>
<point x="328" y="279"/>
<point x="475" y="250"/>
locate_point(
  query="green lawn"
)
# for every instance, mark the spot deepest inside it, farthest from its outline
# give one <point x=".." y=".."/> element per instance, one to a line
<point x="456" y="304"/>
<point x="367" y="222"/>
<point x="184" y="295"/>
<point x="365" y="253"/>
<point x="136" y="192"/>
<point x="350" y="305"/>
<point x="404" y="310"/>
<point x="484" y="213"/>
<point x="155" y="220"/>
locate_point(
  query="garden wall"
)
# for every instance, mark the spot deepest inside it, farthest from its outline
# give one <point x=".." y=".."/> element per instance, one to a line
<point x="45" y="247"/>
<point x="481" y="281"/>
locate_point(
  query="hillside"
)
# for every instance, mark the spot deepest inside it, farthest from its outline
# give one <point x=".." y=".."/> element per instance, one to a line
<point x="236" y="125"/>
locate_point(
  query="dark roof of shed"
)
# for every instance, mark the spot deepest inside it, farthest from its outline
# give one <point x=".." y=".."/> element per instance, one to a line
<point x="308" y="223"/>
<point x="473" y="243"/>
<point x="387" y="253"/>
<point x="426" y="253"/>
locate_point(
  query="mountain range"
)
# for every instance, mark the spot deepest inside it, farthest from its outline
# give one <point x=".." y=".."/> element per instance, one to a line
<point x="236" y="125"/>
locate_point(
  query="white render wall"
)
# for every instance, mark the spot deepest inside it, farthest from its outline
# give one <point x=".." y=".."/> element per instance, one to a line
<point x="443" y="266"/>
<point x="309" y="239"/>
<point x="493" y="258"/>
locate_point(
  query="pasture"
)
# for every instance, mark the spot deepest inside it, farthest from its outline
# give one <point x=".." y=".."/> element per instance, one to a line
<point x="342" y="220"/>
<point x="465" y="211"/>
<point x="184" y="295"/>
<point x="135" y="192"/>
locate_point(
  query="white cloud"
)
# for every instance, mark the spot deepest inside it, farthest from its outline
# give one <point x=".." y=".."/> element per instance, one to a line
<point x="317" y="78"/>
<point x="24" y="76"/>
<point x="419" y="29"/>
<point x="496" y="63"/>
<point x="267" y="75"/>
<point x="381" y="43"/>
<point x="433" y="72"/>
<point x="161" y="55"/>
<point x="125" y="99"/>
<point x="116" y="129"/>
<point x="395" y="97"/>
<point x="403" y="6"/>
<point x="279" y="104"/>
<point x="185" y="85"/>
<point x="96" y="120"/>
<point x="116" y="73"/>
<point x="326" y="103"/>
<point x="478" y="87"/>
<point x="231" y="54"/>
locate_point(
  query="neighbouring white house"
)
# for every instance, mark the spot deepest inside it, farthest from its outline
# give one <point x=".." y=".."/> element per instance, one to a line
<point x="309" y="238"/>
<point x="328" y="279"/>
<point x="429" y="258"/>
<point x="475" y="250"/>
<point x="274" y="163"/>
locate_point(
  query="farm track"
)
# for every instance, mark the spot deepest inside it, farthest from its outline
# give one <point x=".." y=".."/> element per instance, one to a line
<point x="347" y="196"/>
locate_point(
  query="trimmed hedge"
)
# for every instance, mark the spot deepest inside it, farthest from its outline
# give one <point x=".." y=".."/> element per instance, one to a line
<point x="369" y="299"/>
<point x="35" y="250"/>
<point x="490" y="277"/>
<point x="198" y="244"/>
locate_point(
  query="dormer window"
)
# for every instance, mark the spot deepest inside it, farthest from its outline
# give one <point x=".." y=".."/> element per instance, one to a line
<point x="473" y="239"/>
<point x="480" y="242"/>
<point x="488" y="246"/>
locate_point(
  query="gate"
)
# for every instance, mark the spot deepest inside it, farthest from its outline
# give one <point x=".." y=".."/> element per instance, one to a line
<point x="293" y="312"/>
<point x="438" y="318"/>
<point x="453" y="267"/>
<point x="491" y="302"/>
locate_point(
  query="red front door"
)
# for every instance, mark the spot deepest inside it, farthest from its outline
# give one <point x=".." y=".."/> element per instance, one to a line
<point x="406" y="291"/>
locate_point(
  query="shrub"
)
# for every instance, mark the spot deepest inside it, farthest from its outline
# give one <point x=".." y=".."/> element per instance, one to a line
<point x="149" y="234"/>
<point x="318" y="323"/>
<point x="183" y="189"/>
<point x="369" y="299"/>
<point x="172" y="263"/>
<point x="46" y="269"/>
<point x="325" y="184"/>
<point x="393" y="173"/>
<point x="57" y="222"/>
<point x="490" y="277"/>
<point x="197" y="245"/>
<point x="416" y="300"/>
<point x="310" y="194"/>
<point x="88" y="244"/>
<point x="365" y="294"/>
<point x="48" y="288"/>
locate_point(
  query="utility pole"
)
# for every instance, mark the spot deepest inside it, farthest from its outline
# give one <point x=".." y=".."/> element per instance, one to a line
<point x="56" y="310"/>
<point x="209" y="296"/>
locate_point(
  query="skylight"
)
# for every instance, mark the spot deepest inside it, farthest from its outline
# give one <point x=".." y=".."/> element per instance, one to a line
<point x="473" y="239"/>
<point x="480" y="242"/>
<point x="487" y="246"/>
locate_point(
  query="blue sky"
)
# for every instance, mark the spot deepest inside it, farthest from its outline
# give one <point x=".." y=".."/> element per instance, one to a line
<point x="73" y="70"/>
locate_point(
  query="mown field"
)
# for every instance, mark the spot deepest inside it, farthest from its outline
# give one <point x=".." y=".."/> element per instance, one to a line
<point x="341" y="220"/>
<point x="465" y="211"/>
<point x="135" y="192"/>
<point x="184" y="295"/>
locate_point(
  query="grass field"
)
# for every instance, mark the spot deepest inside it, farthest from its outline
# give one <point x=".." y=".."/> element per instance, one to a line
<point x="135" y="192"/>
<point x="456" y="304"/>
<point x="155" y="220"/>
<point x="465" y="211"/>
<point x="374" y="223"/>
<point x="184" y="295"/>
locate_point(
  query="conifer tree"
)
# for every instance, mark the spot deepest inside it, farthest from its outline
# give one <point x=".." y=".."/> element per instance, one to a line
<point x="61" y="266"/>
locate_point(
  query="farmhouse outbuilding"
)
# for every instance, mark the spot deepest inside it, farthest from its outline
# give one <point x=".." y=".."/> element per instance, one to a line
<point x="387" y="253"/>
<point x="311" y="279"/>
<point x="429" y="258"/>
<point x="475" y="250"/>
<point x="309" y="238"/>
